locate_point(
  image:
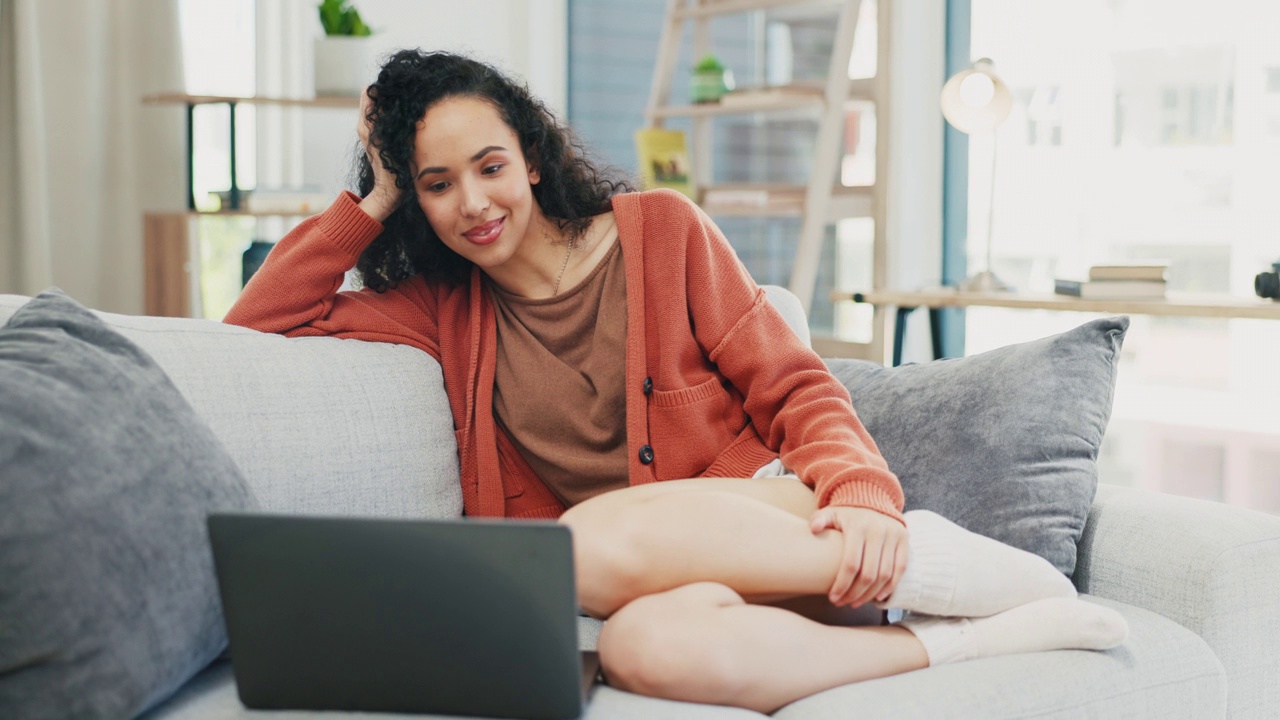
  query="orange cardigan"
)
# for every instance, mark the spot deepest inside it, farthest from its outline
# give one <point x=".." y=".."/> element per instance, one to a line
<point x="717" y="383"/>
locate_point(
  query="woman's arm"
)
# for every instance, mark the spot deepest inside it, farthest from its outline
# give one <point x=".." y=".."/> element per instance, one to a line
<point x="295" y="292"/>
<point x="794" y="402"/>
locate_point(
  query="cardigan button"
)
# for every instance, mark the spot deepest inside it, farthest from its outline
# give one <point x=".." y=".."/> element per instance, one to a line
<point x="648" y="385"/>
<point x="646" y="454"/>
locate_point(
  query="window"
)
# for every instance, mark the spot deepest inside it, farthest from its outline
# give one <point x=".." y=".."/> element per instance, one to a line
<point x="218" y="59"/>
<point x="218" y="48"/>
<point x="1042" y="116"/>
<point x="1146" y="129"/>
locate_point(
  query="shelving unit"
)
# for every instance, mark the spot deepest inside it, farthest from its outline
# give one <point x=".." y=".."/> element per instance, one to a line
<point x="821" y="201"/>
<point x="171" y="240"/>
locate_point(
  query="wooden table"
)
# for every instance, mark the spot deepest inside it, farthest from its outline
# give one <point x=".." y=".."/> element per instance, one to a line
<point x="1176" y="304"/>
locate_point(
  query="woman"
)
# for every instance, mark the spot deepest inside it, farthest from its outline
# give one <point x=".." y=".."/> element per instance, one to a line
<point x="610" y="363"/>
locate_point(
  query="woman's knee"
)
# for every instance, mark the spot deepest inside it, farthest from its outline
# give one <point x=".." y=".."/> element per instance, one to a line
<point x="665" y="645"/>
<point x="608" y="555"/>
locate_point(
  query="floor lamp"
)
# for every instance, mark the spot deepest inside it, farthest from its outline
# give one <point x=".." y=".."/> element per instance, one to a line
<point x="975" y="100"/>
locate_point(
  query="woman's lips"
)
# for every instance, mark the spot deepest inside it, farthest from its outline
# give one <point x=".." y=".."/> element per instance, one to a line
<point x="486" y="233"/>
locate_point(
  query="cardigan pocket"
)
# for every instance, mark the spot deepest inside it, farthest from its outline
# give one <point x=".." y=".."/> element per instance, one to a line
<point x="690" y="427"/>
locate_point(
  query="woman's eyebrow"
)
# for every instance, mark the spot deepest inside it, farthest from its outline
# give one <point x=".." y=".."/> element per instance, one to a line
<point x="474" y="158"/>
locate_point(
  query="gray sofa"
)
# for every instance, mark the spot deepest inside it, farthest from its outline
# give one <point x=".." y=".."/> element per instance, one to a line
<point x="328" y="426"/>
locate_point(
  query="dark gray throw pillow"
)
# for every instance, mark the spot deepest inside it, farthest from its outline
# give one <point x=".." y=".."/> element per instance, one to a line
<point x="108" y="601"/>
<point x="1004" y="443"/>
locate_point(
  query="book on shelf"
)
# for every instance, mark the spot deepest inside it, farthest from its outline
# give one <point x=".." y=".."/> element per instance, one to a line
<point x="1110" y="289"/>
<point x="1154" y="270"/>
<point x="663" y="157"/>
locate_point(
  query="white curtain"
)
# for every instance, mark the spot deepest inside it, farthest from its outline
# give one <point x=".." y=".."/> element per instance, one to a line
<point x="81" y="157"/>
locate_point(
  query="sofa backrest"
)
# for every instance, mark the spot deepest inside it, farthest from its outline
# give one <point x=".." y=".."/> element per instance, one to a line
<point x="321" y="425"/>
<point x="317" y="425"/>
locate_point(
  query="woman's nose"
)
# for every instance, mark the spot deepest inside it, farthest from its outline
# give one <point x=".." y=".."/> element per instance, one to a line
<point x="474" y="200"/>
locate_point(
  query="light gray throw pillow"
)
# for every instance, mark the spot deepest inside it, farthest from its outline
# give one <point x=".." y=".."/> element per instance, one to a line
<point x="1004" y="443"/>
<point x="108" y="601"/>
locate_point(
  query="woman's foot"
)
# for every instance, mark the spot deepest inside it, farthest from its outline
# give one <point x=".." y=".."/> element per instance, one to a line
<point x="1049" y="624"/>
<point x="952" y="572"/>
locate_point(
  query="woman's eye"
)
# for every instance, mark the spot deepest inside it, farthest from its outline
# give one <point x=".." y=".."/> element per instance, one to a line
<point x="437" y="187"/>
<point x="492" y="169"/>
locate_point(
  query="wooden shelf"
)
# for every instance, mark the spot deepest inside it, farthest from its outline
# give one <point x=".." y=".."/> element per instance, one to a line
<point x="252" y="213"/>
<point x="861" y="89"/>
<point x="1176" y="305"/>
<point x="779" y="103"/>
<point x="184" y="99"/>
<point x="787" y="201"/>
<point x="711" y="8"/>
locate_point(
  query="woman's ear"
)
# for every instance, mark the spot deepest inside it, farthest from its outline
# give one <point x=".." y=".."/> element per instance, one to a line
<point x="529" y="158"/>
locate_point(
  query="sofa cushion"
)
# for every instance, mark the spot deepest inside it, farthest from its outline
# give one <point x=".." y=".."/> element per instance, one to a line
<point x="1163" y="670"/>
<point x="108" y="601"/>
<point x="1003" y="443"/>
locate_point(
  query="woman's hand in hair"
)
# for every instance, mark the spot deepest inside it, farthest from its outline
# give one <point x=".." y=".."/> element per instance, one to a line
<point x="385" y="195"/>
<point x="875" y="553"/>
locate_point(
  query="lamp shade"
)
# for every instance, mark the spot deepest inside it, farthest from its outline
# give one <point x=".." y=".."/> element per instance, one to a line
<point x="976" y="99"/>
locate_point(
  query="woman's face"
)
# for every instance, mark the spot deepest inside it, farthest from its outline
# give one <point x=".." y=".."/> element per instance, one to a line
<point x="473" y="182"/>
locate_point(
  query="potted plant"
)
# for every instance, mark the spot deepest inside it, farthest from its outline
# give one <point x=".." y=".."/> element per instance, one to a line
<point x="710" y="80"/>
<point x="343" y="59"/>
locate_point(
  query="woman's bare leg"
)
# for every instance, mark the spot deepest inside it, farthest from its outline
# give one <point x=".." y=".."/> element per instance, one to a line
<point x="754" y="536"/>
<point x="647" y="548"/>
<point x="676" y="565"/>
<point x="703" y="643"/>
<point x="751" y="535"/>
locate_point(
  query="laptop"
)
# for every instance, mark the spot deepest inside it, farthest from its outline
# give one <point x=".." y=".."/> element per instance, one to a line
<point x="455" y="617"/>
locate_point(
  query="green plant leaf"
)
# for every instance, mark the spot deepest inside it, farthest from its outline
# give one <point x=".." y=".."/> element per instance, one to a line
<point x="331" y="16"/>
<point x="339" y="18"/>
<point x="357" y="25"/>
<point x="708" y="63"/>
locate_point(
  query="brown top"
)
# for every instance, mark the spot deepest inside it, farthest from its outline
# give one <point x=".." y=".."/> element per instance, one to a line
<point x="560" y="380"/>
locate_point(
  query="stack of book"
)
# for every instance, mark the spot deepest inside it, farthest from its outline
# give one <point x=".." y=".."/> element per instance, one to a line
<point x="1137" y="281"/>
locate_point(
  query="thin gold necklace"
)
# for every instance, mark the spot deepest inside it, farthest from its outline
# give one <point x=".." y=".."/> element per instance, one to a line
<point x="568" y="251"/>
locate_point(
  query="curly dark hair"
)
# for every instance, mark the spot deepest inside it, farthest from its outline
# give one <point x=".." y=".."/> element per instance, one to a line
<point x="571" y="188"/>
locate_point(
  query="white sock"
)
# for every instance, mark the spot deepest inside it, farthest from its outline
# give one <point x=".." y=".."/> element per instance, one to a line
<point x="1048" y="624"/>
<point x="956" y="573"/>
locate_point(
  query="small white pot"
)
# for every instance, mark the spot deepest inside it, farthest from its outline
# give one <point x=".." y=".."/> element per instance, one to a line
<point x="343" y="64"/>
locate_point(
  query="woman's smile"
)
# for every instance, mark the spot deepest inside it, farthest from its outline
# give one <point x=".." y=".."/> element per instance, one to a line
<point x="486" y="233"/>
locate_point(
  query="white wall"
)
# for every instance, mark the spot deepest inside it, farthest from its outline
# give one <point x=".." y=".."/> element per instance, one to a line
<point x="527" y="39"/>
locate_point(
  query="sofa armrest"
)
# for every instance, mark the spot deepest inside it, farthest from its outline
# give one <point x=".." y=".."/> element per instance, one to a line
<point x="1213" y="568"/>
